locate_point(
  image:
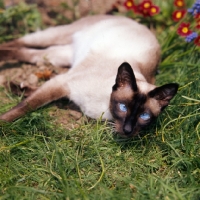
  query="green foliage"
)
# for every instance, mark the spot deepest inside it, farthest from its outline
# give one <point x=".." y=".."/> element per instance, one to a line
<point x="18" y="20"/>
<point x="41" y="160"/>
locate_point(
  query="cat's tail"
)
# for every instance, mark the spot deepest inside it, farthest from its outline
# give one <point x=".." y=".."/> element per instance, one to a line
<point x="10" y="50"/>
<point x="9" y="54"/>
<point x="19" y="50"/>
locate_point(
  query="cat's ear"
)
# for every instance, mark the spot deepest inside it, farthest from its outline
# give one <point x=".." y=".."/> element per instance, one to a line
<point x="164" y="93"/>
<point x="125" y="77"/>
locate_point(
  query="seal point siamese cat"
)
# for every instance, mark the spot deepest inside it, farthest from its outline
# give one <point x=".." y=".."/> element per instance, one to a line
<point x="113" y="62"/>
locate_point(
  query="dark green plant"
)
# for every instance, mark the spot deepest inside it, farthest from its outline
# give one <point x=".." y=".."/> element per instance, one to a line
<point x="18" y="20"/>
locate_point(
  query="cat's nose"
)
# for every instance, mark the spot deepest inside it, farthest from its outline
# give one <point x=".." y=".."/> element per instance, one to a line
<point x="127" y="129"/>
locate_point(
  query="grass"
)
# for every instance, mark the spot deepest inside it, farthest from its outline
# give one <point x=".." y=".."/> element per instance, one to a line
<point x="41" y="160"/>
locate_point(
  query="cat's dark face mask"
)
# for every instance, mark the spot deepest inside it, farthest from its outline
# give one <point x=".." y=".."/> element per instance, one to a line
<point x="132" y="109"/>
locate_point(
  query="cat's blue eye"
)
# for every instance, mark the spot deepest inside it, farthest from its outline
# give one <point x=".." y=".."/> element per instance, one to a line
<point x="122" y="107"/>
<point x="145" y="116"/>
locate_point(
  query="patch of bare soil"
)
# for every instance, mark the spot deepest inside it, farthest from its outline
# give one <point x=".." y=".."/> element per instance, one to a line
<point x="27" y="74"/>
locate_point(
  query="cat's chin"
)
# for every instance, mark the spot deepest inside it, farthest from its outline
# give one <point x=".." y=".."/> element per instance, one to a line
<point x="119" y="131"/>
<point x="131" y="135"/>
<point x="125" y="136"/>
<point x="122" y="135"/>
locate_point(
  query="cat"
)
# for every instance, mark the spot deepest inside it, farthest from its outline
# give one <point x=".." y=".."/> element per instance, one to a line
<point x="113" y="62"/>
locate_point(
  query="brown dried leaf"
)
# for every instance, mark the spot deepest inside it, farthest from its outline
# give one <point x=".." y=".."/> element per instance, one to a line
<point x="44" y="75"/>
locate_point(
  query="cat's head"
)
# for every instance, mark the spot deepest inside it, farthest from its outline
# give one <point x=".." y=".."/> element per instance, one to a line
<point x="133" y="108"/>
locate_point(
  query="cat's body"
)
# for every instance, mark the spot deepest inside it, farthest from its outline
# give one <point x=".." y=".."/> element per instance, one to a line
<point x="95" y="47"/>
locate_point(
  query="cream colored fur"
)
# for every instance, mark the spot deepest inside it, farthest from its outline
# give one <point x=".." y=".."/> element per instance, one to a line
<point x="94" y="47"/>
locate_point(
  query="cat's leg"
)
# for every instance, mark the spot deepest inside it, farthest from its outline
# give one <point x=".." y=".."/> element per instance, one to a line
<point x="52" y="90"/>
<point x="60" y="55"/>
<point x="58" y="35"/>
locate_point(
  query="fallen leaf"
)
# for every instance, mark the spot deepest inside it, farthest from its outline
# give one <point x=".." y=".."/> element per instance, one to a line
<point x="45" y="75"/>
